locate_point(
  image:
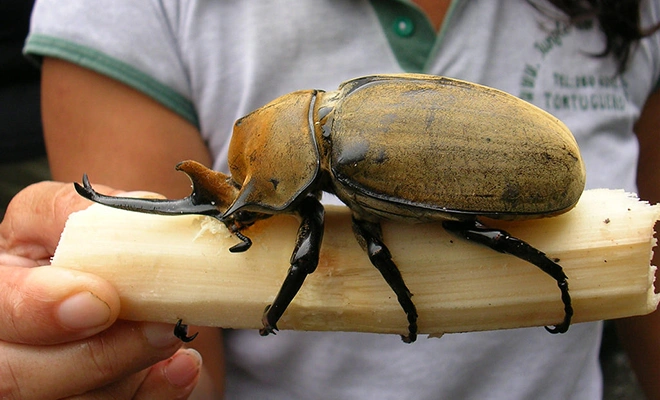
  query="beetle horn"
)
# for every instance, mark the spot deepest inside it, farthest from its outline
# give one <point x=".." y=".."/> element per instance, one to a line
<point x="206" y="199"/>
<point x="209" y="185"/>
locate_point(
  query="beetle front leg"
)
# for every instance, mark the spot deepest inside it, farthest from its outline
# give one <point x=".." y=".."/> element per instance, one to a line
<point x="181" y="331"/>
<point x="503" y="242"/>
<point x="304" y="260"/>
<point x="370" y="237"/>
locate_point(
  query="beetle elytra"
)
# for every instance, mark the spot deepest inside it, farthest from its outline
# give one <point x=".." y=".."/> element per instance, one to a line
<point x="405" y="147"/>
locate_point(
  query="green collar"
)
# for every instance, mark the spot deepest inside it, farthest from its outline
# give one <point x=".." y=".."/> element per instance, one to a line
<point x="409" y="32"/>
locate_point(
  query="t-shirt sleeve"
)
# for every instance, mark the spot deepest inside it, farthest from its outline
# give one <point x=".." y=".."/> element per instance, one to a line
<point x="134" y="42"/>
<point x="650" y="45"/>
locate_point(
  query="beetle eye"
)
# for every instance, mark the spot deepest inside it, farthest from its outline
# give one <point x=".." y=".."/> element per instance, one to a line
<point x="245" y="218"/>
<point x="234" y="183"/>
<point x="324" y="111"/>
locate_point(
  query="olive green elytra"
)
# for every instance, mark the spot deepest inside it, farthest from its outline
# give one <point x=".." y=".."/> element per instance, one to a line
<point x="438" y="144"/>
<point x="407" y="147"/>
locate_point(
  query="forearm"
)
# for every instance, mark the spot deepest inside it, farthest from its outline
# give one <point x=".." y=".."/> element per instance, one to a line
<point x="641" y="335"/>
<point x="115" y="134"/>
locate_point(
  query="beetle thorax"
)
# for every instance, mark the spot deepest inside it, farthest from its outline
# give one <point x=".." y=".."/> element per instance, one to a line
<point x="273" y="155"/>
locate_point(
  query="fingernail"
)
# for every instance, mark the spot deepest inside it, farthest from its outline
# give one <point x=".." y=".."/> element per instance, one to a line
<point x="160" y="335"/>
<point x="83" y="311"/>
<point x="183" y="368"/>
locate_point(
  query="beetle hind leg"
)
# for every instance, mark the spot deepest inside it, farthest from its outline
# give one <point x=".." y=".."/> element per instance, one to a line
<point x="503" y="242"/>
<point x="370" y="237"/>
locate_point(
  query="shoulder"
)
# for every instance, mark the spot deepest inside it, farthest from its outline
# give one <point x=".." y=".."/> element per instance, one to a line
<point x="132" y="42"/>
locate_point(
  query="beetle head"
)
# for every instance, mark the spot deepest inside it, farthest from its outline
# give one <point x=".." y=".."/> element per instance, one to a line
<point x="218" y="190"/>
<point x="273" y="155"/>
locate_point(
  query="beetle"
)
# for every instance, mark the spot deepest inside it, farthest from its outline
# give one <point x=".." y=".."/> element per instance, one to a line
<point x="404" y="147"/>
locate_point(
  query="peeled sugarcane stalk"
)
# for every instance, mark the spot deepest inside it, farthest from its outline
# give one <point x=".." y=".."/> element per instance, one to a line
<point x="167" y="268"/>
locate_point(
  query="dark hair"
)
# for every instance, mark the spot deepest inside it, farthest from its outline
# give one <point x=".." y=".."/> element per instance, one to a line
<point x="619" y="20"/>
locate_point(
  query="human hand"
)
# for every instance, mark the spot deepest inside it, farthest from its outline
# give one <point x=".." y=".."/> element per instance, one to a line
<point x="58" y="331"/>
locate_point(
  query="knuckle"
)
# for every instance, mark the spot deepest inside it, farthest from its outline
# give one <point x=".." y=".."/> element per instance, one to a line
<point x="13" y="310"/>
<point x="102" y="357"/>
<point x="10" y="388"/>
<point x="22" y="314"/>
<point x="119" y="390"/>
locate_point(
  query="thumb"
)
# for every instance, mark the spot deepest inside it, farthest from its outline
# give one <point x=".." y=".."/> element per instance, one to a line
<point x="48" y="305"/>
<point x="36" y="216"/>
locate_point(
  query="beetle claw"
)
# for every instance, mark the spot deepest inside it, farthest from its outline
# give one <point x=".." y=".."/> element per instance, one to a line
<point x="181" y="332"/>
<point x="568" y="309"/>
<point x="267" y="330"/>
<point x="410" y="338"/>
<point x="86" y="189"/>
<point x="561" y="328"/>
<point x="245" y="244"/>
<point x="268" y="327"/>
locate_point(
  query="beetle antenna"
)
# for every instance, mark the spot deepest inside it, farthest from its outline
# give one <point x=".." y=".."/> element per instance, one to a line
<point x="245" y="244"/>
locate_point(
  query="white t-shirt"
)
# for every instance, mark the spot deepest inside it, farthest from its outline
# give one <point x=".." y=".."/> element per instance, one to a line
<point x="215" y="61"/>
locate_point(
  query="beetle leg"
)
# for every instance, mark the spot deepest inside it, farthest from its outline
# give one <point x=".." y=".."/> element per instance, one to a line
<point x="503" y="242"/>
<point x="370" y="237"/>
<point x="304" y="260"/>
<point x="245" y="244"/>
<point x="181" y="331"/>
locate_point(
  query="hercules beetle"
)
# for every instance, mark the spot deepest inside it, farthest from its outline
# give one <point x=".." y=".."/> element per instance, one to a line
<point x="404" y="147"/>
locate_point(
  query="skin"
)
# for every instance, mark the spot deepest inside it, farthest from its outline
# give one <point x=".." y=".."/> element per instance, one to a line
<point x="84" y="135"/>
<point x="72" y="318"/>
<point x="640" y="335"/>
<point x="435" y="10"/>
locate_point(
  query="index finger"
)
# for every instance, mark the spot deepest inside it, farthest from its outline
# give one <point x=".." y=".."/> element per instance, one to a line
<point x="36" y="216"/>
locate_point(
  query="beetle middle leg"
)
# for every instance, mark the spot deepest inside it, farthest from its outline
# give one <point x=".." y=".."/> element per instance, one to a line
<point x="503" y="242"/>
<point x="370" y="237"/>
<point x="304" y="260"/>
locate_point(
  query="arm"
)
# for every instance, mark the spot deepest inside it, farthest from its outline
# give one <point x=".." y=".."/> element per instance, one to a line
<point x="117" y="135"/>
<point x="641" y="335"/>
<point x="121" y="138"/>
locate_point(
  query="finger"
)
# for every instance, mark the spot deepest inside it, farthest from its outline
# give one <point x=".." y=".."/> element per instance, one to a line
<point x="48" y="305"/>
<point x="174" y="378"/>
<point x="36" y="216"/>
<point x="42" y="372"/>
<point x="122" y="389"/>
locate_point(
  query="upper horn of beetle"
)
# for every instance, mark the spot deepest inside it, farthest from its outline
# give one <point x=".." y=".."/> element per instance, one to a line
<point x="273" y="154"/>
